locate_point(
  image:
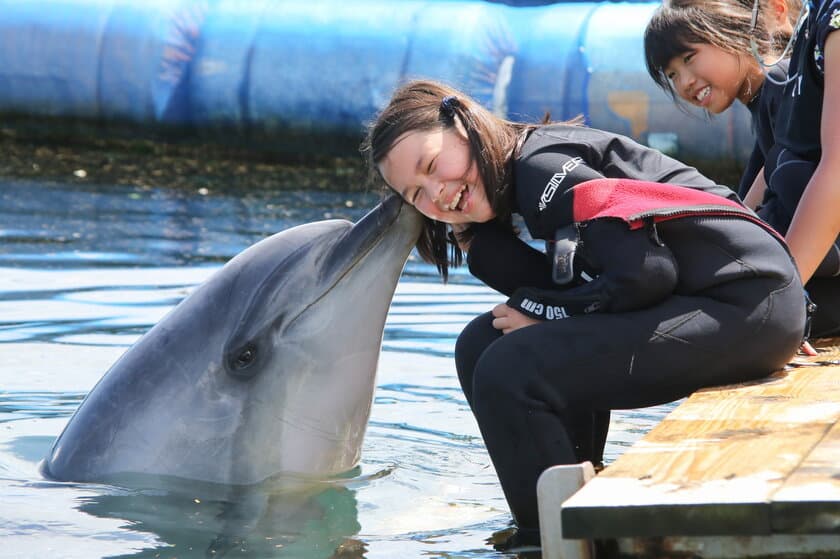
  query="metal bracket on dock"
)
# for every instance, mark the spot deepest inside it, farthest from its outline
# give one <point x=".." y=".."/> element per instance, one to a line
<point x="555" y="485"/>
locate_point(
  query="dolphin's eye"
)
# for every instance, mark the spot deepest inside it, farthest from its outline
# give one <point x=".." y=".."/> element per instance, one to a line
<point x="242" y="359"/>
<point x="246" y="357"/>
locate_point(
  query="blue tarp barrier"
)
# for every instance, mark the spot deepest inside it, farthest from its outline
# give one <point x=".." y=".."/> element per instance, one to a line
<point x="272" y="68"/>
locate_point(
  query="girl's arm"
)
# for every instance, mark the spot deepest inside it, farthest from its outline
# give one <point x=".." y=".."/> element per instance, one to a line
<point x="632" y="270"/>
<point x="755" y="195"/>
<point x="504" y="262"/>
<point x="816" y="222"/>
<point x="753" y="169"/>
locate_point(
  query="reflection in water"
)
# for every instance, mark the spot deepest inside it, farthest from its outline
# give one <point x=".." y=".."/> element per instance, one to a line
<point x="85" y="271"/>
<point x="190" y="520"/>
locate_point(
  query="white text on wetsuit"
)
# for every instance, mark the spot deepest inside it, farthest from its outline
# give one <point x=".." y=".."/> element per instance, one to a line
<point x="555" y="181"/>
<point x="551" y="312"/>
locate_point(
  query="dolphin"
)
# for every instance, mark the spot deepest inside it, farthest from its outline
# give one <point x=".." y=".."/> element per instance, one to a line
<point x="267" y="368"/>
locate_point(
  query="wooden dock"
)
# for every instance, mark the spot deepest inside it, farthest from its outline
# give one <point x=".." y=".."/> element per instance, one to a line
<point x="739" y="471"/>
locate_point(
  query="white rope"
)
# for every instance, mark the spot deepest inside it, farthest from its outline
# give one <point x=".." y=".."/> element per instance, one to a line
<point x="804" y="12"/>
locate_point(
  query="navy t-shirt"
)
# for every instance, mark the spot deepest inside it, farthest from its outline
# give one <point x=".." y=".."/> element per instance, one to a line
<point x="800" y="111"/>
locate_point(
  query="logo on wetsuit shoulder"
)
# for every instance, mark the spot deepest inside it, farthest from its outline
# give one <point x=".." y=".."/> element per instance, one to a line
<point x="549" y="312"/>
<point x="556" y="180"/>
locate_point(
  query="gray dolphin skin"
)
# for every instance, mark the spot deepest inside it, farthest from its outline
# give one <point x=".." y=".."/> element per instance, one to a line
<point x="266" y="368"/>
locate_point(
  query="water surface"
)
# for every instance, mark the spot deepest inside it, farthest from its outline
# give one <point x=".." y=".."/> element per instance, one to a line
<point x="84" y="271"/>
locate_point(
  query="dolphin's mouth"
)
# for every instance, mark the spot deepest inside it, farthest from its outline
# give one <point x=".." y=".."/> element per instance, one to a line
<point x="358" y="242"/>
<point x="373" y="224"/>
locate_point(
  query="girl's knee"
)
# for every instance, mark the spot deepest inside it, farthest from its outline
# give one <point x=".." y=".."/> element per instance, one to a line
<point x="502" y="376"/>
<point x="478" y="329"/>
<point x="471" y="344"/>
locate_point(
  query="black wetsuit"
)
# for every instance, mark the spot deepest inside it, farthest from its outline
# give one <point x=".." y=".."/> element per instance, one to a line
<point x="685" y="295"/>
<point x="763" y="111"/>
<point x="797" y="151"/>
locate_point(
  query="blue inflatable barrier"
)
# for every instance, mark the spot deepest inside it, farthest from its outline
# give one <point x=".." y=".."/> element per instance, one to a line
<point x="274" y="68"/>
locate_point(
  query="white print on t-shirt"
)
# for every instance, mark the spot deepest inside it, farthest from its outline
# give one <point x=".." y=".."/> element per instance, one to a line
<point x="797" y="87"/>
<point x="556" y="180"/>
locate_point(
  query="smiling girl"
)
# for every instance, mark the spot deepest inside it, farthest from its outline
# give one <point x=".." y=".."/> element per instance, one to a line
<point x="699" y="52"/>
<point x="647" y="291"/>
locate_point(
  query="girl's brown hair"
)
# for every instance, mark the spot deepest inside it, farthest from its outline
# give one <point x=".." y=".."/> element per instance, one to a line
<point x="726" y="24"/>
<point x="423" y="105"/>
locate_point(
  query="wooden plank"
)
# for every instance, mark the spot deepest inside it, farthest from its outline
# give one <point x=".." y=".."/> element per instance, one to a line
<point x="712" y="466"/>
<point x="809" y="500"/>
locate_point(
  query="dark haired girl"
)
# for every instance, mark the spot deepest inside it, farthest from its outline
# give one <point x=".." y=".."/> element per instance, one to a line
<point x="647" y="291"/>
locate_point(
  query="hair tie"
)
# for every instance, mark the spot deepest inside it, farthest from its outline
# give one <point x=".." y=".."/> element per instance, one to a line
<point x="448" y="105"/>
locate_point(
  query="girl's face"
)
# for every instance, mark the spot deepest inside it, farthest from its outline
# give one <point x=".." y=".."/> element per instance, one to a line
<point x="432" y="170"/>
<point x="711" y="78"/>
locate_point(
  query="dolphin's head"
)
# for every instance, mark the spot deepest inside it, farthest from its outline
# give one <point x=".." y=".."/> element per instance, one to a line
<point x="267" y="368"/>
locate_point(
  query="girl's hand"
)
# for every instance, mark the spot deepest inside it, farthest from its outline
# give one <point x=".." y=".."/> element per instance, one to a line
<point x="755" y="195"/>
<point x="508" y="319"/>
